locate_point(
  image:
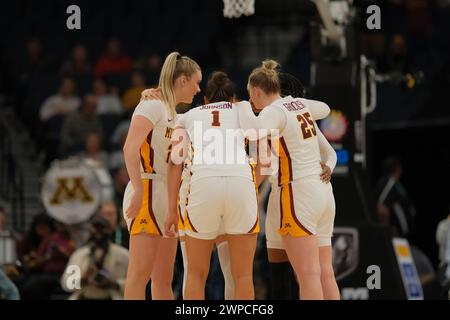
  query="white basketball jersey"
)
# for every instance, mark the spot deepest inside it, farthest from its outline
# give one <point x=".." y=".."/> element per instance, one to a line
<point x="218" y="143"/>
<point x="155" y="149"/>
<point x="186" y="173"/>
<point x="298" y="147"/>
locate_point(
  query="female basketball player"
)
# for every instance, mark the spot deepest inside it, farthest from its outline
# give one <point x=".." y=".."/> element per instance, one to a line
<point x="146" y="153"/>
<point x="221" y="241"/>
<point x="306" y="204"/>
<point x="281" y="271"/>
<point x="214" y="85"/>
<point x="222" y="191"/>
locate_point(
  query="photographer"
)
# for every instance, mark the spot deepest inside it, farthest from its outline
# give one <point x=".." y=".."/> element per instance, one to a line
<point x="103" y="266"/>
<point x="119" y="234"/>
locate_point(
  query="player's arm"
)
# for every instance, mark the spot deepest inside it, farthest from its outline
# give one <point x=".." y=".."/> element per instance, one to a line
<point x="263" y="165"/>
<point x="139" y="129"/>
<point x="180" y="145"/>
<point x="327" y="155"/>
<point x="319" y="110"/>
<point x="258" y="127"/>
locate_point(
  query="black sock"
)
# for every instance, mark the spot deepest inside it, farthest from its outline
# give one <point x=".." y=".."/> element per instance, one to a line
<point x="148" y="290"/>
<point x="283" y="282"/>
<point x="294" y="284"/>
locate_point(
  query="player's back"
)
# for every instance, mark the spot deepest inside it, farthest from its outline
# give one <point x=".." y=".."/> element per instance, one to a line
<point x="299" y="153"/>
<point x="218" y="143"/>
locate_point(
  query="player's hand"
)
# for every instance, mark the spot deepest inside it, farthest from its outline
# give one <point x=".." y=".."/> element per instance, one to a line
<point x="325" y="176"/>
<point x="151" y="94"/>
<point x="135" y="204"/>
<point x="171" y="225"/>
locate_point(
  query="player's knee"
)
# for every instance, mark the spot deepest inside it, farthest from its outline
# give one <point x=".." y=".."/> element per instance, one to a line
<point x="199" y="274"/>
<point x="140" y="271"/>
<point x="162" y="277"/>
<point x="160" y="281"/>
<point x="243" y="279"/>
<point x="326" y="273"/>
<point x="309" y="270"/>
<point x="138" y="275"/>
<point x="242" y="274"/>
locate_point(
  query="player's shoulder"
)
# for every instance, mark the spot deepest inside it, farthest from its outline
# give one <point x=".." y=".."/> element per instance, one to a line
<point x="149" y="105"/>
<point x="193" y="110"/>
<point x="291" y="99"/>
<point x="242" y="103"/>
<point x="154" y="110"/>
<point x="275" y="106"/>
<point x="188" y="114"/>
<point x="313" y="103"/>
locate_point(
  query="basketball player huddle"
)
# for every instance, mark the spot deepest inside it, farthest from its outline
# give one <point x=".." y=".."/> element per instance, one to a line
<point x="195" y="177"/>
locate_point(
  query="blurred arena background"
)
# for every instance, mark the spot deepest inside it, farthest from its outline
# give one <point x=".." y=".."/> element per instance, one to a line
<point x="66" y="93"/>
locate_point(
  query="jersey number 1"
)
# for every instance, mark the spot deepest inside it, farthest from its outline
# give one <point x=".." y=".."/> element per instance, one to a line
<point x="215" y="121"/>
<point x="169" y="150"/>
<point x="307" y="125"/>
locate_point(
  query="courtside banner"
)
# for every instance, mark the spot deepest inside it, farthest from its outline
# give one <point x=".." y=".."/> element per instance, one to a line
<point x="364" y="263"/>
<point x="408" y="269"/>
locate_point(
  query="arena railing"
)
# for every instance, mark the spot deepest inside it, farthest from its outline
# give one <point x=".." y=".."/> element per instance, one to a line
<point x="11" y="177"/>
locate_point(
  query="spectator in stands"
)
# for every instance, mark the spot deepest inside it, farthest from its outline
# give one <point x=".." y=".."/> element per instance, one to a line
<point x="397" y="60"/>
<point x="8" y="241"/>
<point x="150" y="65"/>
<point x="2" y="220"/>
<point x="132" y="96"/>
<point x="443" y="240"/>
<point x="78" y="64"/>
<point x="108" y="101"/>
<point x="79" y="124"/>
<point x="119" y="234"/>
<point x="41" y="227"/>
<point x="33" y="63"/>
<point x="120" y="183"/>
<point x="114" y="61"/>
<point x="49" y="262"/>
<point x="103" y="266"/>
<point x="8" y="290"/>
<point x="116" y="158"/>
<point x="61" y="103"/>
<point x="419" y="17"/>
<point x="93" y="150"/>
<point x="443" y="237"/>
<point x="120" y="130"/>
<point x="394" y="206"/>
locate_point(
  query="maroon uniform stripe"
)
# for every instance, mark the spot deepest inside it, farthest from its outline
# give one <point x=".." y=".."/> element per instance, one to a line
<point x="150" y="209"/>
<point x="291" y="197"/>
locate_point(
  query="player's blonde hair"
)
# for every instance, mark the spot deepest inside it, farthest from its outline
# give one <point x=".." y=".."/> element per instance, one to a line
<point x="266" y="77"/>
<point x="174" y="66"/>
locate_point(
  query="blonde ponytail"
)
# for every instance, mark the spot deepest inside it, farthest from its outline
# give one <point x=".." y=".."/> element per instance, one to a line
<point x="174" y="66"/>
<point x="266" y="77"/>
